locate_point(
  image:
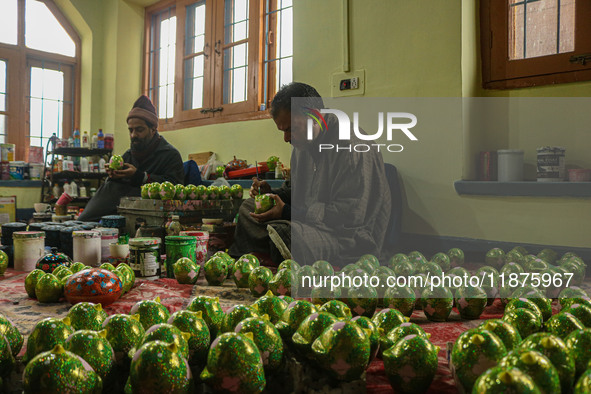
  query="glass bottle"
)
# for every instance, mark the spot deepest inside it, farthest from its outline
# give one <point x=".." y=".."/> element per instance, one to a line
<point x="174" y="226"/>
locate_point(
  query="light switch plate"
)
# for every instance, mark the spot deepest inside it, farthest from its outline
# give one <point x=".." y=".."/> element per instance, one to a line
<point x="336" y="79"/>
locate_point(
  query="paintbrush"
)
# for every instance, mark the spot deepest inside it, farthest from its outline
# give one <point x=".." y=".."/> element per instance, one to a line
<point x="256" y="165"/>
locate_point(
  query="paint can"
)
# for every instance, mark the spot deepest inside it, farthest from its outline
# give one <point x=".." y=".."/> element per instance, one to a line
<point x="551" y="166"/>
<point x="144" y="257"/>
<point x="178" y="246"/>
<point x="87" y="247"/>
<point x="510" y="165"/>
<point x="29" y="246"/>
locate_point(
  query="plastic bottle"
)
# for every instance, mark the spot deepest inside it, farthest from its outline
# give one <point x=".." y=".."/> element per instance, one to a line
<point x="83" y="164"/>
<point x="77" y="138"/>
<point x="100" y="139"/>
<point x="67" y="189"/>
<point x="71" y="142"/>
<point x="85" y="140"/>
<point x="174" y="227"/>
<point x="56" y="191"/>
<point x="83" y="191"/>
<point x="278" y="170"/>
<point x="73" y="190"/>
<point x="94" y="141"/>
<point x="102" y="164"/>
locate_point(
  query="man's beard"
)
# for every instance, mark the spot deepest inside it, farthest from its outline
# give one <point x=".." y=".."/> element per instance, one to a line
<point x="139" y="145"/>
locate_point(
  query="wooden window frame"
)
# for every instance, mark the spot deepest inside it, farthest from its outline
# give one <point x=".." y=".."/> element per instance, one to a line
<point x="19" y="58"/>
<point x="234" y="112"/>
<point x="498" y="72"/>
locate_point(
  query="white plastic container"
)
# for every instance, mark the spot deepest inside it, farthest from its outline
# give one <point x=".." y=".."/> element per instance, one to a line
<point x="35" y="171"/>
<point x="510" y="165"/>
<point x="17" y="170"/>
<point x="29" y="246"/>
<point x="108" y="236"/>
<point x="87" y="247"/>
<point x="551" y="167"/>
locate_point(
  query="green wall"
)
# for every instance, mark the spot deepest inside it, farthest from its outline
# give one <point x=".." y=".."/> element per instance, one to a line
<point x="419" y="48"/>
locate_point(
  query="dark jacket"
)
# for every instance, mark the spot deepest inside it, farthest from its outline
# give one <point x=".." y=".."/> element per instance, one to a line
<point x="165" y="164"/>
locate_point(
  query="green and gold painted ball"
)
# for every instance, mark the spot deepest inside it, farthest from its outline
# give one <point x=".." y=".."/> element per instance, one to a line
<point x="471" y="302"/>
<point x="336" y="308"/>
<point x="343" y="350"/>
<point x="77" y="266"/>
<point x="293" y="316"/>
<point x="95" y="349"/>
<point x="193" y="324"/>
<point x="186" y="271"/>
<point x="442" y="260"/>
<point x="48" y="289"/>
<point x="515" y="303"/>
<point x="167" y="333"/>
<point x="388" y="319"/>
<point x="563" y="324"/>
<point x="150" y="312"/>
<point x="60" y="371"/>
<point x="475" y="351"/>
<point x="258" y="280"/>
<point x="583" y="385"/>
<point x="235" y="315"/>
<point x="503" y="380"/>
<point x="280" y="285"/>
<point x="270" y="305"/>
<point x="579" y="344"/>
<point x="524" y="320"/>
<point x="411" y="363"/>
<point x="12" y="334"/>
<point x="437" y="303"/>
<point x="535" y="365"/>
<point x="124" y="332"/>
<point x="310" y="330"/>
<point x="158" y="367"/>
<point x="581" y="312"/>
<point x="362" y="301"/>
<point x="397" y="258"/>
<point x="323" y="268"/>
<point x="456" y="257"/>
<point x="495" y="257"/>
<point x="242" y="269"/>
<point x="234" y="364"/>
<point x="212" y="312"/>
<point x="3" y="262"/>
<point x="505" y="331"/>
<point x="87" y="316"/>
<point x="400" y="298"/>
<point x="167" y="191"/>
<point x="47" y="333"/>
<point x="7" y="360"/>
<point x="397" y="333"/>
<point x="215" y="270"/>
<point x="289" y="264"/>
<point x="557" y="352"/>
<point x="266" y="338"/>
<point x="154" y="191"/>
<point x="372" y="332"/>
<point x="31" y="281"/>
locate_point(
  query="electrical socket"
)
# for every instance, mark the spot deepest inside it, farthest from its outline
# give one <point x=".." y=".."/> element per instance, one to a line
<point x="355" y="83"/>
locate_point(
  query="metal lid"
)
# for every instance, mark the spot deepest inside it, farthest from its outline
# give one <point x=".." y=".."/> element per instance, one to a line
<point x="52" y="227"/>
<point x="15" y="225"/>
<point x="107" y="230"/>
<point x="28" y="234"/>
<point x="555" y="149"/>
<point x="113" y="217"/>
<point x="71" y="229"/>
<point x="510" y="151"/>
<point x="144" y="241"/>
<point x="180" y="238"/>
<point x="86" y="234"/>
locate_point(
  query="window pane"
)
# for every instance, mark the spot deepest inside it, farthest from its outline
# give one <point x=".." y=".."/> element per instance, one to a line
<point x="540" y="28"/>
<point x="280" y="48"/>
<point x="2" y="85"/>
<point x="44" y="32"/>
<point x="285" y="72"/>
<point x="235" y="20"/>
<point x="195" y="36"/>
<point x="235" y="73"/>
<point x="46" y="104"/>
<point x="2" y="129"/>
<point x="285" y="30"/>
<point x="166" y="67"/>
<point x="8" y="21"/>
<point x="194" y="82"/>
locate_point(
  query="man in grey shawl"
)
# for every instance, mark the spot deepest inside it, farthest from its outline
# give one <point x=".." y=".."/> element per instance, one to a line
<point x="335" y="207"/>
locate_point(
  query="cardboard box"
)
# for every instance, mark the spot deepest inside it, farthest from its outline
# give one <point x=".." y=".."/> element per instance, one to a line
<point x="200" y="158"/>
<point x="7" y="209"/>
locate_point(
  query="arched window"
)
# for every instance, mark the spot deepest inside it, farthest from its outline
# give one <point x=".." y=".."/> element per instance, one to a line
<point x="39" y="60"/>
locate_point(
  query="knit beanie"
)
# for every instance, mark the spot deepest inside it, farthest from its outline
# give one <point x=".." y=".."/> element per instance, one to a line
<point x="145" y="110"/>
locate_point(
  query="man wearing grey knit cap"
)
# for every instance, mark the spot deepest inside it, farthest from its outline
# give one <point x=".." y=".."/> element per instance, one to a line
<point x="150" y="159"/>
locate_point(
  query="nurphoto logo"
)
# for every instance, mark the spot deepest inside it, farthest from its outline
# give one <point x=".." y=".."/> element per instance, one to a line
<point x="391" y="119"/>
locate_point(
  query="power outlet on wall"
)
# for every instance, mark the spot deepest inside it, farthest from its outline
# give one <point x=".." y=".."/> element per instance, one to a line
<point x="348" y="84"/>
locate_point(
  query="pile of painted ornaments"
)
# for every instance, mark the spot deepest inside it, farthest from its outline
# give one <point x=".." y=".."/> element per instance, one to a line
<point x="56" y="276"/>
<point x="529" y="350"/>
<point x="236" y="351"/>
<point x="168" y="191"/>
